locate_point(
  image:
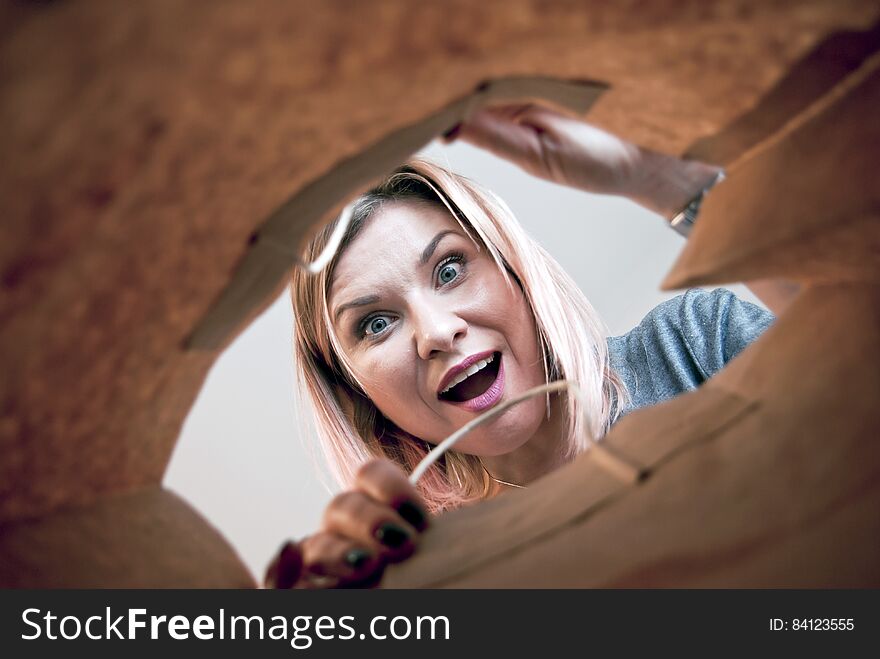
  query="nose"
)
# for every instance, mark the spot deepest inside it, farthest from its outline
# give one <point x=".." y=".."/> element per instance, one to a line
<point x="436" y="329"/>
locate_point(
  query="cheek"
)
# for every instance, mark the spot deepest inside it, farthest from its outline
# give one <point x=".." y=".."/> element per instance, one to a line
<point x="510" y="312"/>
<point x="389" y="377"/>
<point x="524" y="329"/>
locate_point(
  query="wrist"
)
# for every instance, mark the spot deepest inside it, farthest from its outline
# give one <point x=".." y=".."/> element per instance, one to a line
<point x="666" y="184"/>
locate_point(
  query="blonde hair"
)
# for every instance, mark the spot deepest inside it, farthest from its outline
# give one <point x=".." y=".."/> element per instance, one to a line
<point x="349" y="426"/>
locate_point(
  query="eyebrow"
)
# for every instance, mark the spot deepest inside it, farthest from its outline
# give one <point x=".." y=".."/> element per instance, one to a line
<point x="373" y="298"/>
<point x="429" y="250"/>
<point x="357" y="302"/>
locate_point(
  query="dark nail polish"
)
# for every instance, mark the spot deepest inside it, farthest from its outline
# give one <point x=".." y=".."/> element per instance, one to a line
<point x="412" y="514"/>
<point x="289" y="566"/>
<point x="391" y="535"/>
<point x="450" y="134"/>
<point x="357" y="558"/>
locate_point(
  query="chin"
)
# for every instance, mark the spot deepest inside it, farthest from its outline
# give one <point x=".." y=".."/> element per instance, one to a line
<point x="511" y="431"/>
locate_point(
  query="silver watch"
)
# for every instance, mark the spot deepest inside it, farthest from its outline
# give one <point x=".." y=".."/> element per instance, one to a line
<point x="684" y="220"/>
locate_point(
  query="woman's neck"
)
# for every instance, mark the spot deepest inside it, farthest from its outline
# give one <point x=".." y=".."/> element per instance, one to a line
<point x="543" y="453"/>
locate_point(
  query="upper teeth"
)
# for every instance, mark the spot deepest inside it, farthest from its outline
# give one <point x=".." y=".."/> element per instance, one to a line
<point x="464" y="375"/>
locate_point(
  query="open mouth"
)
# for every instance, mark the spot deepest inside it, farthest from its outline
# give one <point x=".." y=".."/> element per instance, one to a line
<point x="474" y="383"/>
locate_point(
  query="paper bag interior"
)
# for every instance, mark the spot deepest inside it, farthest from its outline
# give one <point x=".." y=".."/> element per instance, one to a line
<point x="149" y="145"/>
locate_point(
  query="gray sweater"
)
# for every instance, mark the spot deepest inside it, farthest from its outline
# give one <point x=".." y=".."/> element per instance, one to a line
<point x="682" y="342"/>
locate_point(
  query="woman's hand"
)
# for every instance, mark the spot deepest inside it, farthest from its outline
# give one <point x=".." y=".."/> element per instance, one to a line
<point x="571" y="152"/>
<point x="363" y="529"/>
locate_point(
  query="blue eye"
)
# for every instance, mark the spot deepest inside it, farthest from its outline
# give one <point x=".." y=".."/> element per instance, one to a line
<point x="450" y="269"/>
<point x="376" y="325"/>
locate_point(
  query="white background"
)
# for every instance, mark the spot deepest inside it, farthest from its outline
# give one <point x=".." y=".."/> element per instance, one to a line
<point x="246" y="457"/>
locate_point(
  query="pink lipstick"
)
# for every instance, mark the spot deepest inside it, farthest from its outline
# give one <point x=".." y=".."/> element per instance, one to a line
<point x="488" y="398"/>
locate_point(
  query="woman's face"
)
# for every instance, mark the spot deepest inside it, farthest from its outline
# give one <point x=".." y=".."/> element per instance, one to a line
<point x="415" y="303"/>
